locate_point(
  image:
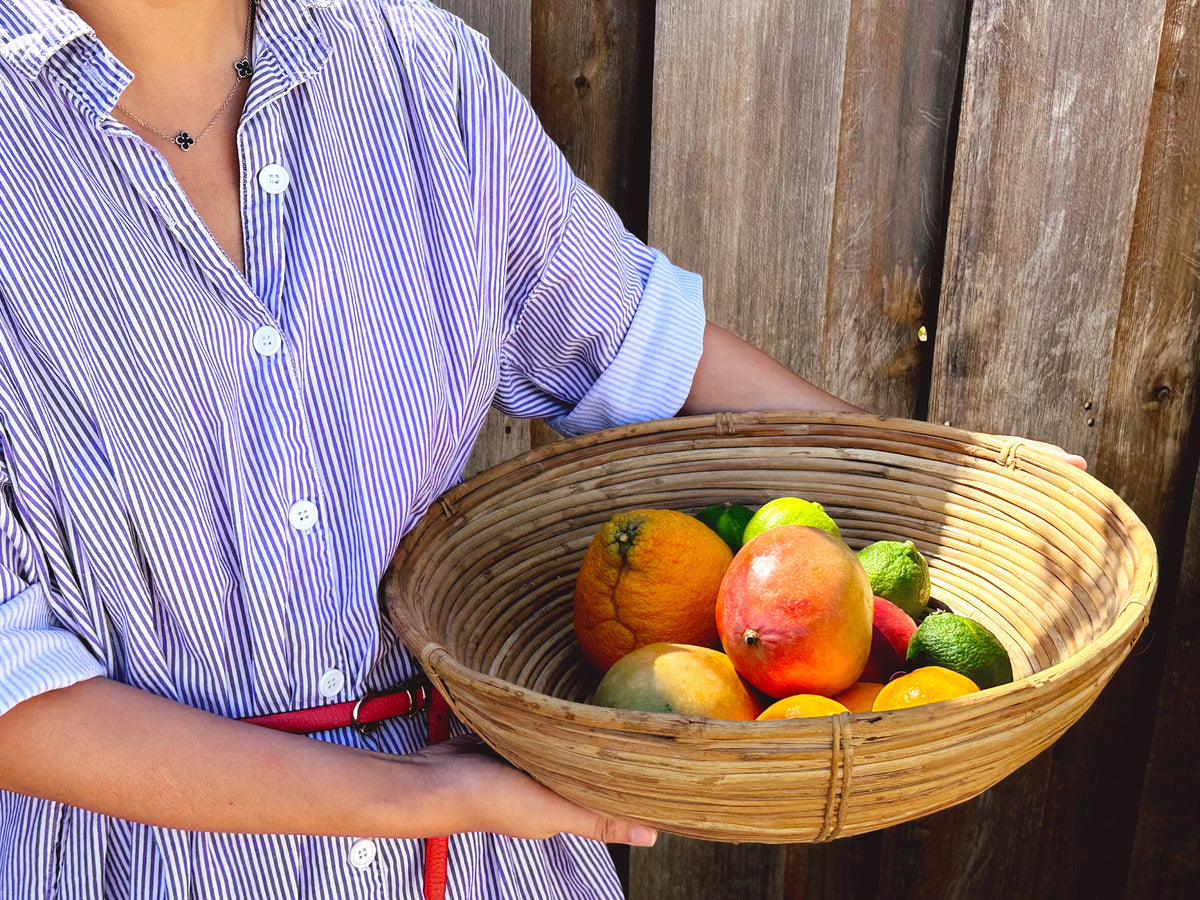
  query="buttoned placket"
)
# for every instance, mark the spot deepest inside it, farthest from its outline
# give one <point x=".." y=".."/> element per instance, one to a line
<point x="268" y="185"/>
<point x="257" y="298"/>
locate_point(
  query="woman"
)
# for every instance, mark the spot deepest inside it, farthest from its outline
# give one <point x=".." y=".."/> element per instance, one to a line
<point x="267" y="267"/>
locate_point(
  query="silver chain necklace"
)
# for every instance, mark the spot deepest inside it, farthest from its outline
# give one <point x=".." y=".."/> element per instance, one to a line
<point x="244" y="70"/>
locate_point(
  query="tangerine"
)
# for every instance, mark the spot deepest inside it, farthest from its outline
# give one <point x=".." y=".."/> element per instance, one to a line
<point x="648" y="576"/>
<point x="802" y="706"/>
<point x="928" y="684"/>
<point x="860" y="696"/>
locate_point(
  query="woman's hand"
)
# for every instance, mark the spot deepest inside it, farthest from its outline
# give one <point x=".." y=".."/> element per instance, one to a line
<point x="485" y="793"/>
<point x="1070" y="459"/>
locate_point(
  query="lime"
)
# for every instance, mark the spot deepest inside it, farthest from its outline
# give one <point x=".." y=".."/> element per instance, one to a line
<point x="961" y="645"/>
<point x="728" y="520"/>
<point x="789" y="511"/>
<point x="898" y="573"/>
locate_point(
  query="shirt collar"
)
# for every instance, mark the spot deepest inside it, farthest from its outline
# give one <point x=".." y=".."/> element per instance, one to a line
<point x="43" y="34"/>
<point x="33" y="31"/>
<point x="293" y="33"/>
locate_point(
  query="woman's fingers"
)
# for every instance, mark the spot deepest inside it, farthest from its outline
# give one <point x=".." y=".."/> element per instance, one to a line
<point x="618" y="831"/>
<point x="1054" y="450"/>
<point x="491" y="795"/>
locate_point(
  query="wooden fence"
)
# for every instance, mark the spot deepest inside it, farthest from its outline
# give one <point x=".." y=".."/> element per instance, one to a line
<point x="1021" y="180"/>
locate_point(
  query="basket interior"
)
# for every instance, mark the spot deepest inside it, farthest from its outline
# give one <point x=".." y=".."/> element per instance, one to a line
<point x="1024" y="548"/>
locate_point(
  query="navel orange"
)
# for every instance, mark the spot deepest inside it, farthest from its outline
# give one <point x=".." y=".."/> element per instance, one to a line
<point x="648" y="576"/>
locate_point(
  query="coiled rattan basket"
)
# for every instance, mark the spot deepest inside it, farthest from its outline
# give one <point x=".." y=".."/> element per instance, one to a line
<point x="1047" y="557"/>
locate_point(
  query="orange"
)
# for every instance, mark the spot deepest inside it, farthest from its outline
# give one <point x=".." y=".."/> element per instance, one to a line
<point x="802" y="706"/>
<point x="928" y="684"/>
<point x="860" y="696"/>
<point x="648" y="576"/>
<point x="677" y="678"/>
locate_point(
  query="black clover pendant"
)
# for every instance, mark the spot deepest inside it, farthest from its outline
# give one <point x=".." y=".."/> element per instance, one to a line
<point x="243" y="68"/>
<point x="184" y="141"/>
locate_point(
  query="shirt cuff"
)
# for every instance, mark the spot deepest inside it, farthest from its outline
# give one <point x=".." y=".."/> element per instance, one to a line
<point x="36" y="656"/>
<point x="652" y="373"/>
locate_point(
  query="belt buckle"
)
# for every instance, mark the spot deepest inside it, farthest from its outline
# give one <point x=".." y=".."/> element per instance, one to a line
<point x="413" y="689"/>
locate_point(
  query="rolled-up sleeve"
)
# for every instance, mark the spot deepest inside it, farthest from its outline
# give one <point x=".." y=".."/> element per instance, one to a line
<point x="652" y="371"/>
<point x="601" y="329"/>
<point x="36" y="653"/>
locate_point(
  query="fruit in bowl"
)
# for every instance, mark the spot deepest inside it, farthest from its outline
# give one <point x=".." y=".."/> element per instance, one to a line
<point x="794" y="612"/>
<point x="891" y="631"/>
<point x="680" y="679"/>
<point x="648" y="576"/>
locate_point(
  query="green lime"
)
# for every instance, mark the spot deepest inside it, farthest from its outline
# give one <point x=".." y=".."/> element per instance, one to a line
<point x="898" y="573"/>
<point x="728" y="520"/>
<point x="789" y="511"/>
<point x="963" y="646"/>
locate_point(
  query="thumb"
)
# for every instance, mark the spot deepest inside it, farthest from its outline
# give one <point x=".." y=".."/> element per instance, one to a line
<point x="619" y="831"/>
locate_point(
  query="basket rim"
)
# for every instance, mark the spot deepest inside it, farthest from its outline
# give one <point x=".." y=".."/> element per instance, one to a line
<point x="1008" y="451"/>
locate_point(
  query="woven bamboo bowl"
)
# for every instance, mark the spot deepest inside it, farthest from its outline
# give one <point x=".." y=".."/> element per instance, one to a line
<point x="1048" y="558"/>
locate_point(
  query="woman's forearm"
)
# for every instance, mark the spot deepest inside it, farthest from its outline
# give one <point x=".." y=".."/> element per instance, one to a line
<point x="105" y="746"/>
<point x="118" y="750"/>
<point x="734" y="376"/>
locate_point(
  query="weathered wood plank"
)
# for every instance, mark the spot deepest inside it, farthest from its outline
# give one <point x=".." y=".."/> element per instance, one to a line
<point x="1165" y="862"/>
<point x="507" y="26"/>
<point x="747" y="101"/>
<point x="1054" y="116"/>
<point x="747" y="109"/>
<point x="592" y="71"/>
<point x="1148" y="453"/>
<point x="985" y="849"/>
<point x="677" y="868"/>
<point x="1156" y="360"/>
<point x="847" y="869"/>
<point x="900" y="95"/>
<point x="591" y="78"/>
<point x="1092" y="815"/>
<point x="1055" y="110"/>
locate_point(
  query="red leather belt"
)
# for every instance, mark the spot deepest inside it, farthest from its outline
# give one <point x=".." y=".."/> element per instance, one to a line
<point x="366" y="714"/>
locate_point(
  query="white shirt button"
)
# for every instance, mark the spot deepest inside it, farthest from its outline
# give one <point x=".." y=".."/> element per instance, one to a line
<point x="331" y="683"/>
<point x="362" y="853"/>
<point x="274" y="178"/>
<point x="303" y="515"/>
<point x="267" y="341"/>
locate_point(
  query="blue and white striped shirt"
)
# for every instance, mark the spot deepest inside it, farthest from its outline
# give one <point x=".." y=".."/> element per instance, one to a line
<point x="204" y="474"/>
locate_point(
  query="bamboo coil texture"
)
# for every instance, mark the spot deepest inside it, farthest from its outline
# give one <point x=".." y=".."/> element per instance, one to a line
<point x="1045" y="555"/>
